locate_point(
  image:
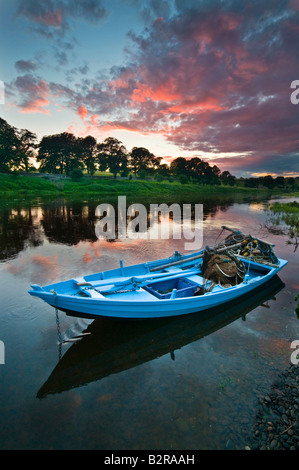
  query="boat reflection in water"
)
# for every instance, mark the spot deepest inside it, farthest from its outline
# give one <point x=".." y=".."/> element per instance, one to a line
<point x="115" y="345"/>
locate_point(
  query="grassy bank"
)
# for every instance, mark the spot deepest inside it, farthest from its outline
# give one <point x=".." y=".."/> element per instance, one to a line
<point x="286" y="215"/>
<point x="18" y="187"/>
<point x="163" y="190"/>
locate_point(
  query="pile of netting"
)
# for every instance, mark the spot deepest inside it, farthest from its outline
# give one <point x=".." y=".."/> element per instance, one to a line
<point x="252" y="248"/>
<point x="224" y="269"/>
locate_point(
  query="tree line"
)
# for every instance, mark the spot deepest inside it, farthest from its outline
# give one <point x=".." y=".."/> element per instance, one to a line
<point x="270" y="183"/>
<point x="63" y="153"/>
<point x="67" y="154"/>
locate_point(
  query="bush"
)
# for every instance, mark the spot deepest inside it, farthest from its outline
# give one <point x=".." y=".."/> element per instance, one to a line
<point x="76" y="174"/>
<point x="183" y="179"/>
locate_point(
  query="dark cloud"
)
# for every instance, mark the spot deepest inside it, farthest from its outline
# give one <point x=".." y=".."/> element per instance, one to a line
<point x="211" y="79"/>
<point x="55" y="20"/>
<point x="151" y="10"/>
<point x="247" y="165"/>
<point x="56" y="15"/>
<point x="210" y="76"/>
<point x="90" y="10"/>
<point x="24" y="66"/>
<point x="34" y="92"/>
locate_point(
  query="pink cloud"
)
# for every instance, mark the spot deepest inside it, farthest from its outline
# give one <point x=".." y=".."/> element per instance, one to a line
<point x="82" y="112"/>
<point x="59" y="13"/>
<point x="34" y="94"/>
<point x="163" y="92"/>
<point x="36" y="106"/>
<point x="49" y="18"/>
<point x="209" y="103"/>
<point x="94" y="118"/>
<point x="294" y="4"/>
<point x="214" y="80"/>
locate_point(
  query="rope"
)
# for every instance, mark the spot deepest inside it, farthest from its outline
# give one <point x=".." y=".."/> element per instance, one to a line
<point x="227" y="275"/>
<point x="60" y="340"/>
<point x="250" y="257"/>
<point x="219" y="235"/>
<point x="117" y="291"/>
<point x="265" y="254"/>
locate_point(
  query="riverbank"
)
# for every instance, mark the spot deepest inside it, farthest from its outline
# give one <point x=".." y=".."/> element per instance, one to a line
<point x="277" y="420"/>
<point x="88" y="188"/>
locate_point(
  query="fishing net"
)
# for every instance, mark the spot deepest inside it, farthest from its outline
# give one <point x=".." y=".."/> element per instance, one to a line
<point x="252" y="248"/>
<point x="222" y="268"/>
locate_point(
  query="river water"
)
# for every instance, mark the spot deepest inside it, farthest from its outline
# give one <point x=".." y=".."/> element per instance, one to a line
<point x="181" y="383"/>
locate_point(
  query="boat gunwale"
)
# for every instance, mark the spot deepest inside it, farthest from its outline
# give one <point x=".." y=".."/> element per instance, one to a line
<point x="187" y="299"/>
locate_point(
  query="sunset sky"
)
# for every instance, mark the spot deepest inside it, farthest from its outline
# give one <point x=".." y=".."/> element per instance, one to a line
<point x="186" y="78"/>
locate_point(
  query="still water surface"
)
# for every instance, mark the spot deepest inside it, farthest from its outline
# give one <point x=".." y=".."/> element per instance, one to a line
<point x="184" y="383"/>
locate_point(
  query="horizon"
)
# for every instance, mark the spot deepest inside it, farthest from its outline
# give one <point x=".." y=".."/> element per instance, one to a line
<point x="183" y="79"/>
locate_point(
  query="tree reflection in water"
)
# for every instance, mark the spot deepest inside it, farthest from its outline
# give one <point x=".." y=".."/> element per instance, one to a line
<point x="66" y="222"/>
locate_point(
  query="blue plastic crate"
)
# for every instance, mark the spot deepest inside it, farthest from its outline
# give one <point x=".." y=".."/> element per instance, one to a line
<point x="163" y="289"/>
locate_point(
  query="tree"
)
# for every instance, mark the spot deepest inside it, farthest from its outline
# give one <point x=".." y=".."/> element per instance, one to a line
<point x="211" y="174"/>
<point x="59" y="153"/>
<point x="216" y="171"/>
<point x="227" y="178"/>
<point x="164" y="170"/>
<point x="292" y="182"/>
<point x="48" y="155"/>
<point x="279" y="181"/>
<point x="143" y="159"/>
<point x="197" y="169"/>
<point x="179" y="166"/>
<point x="87" y="149"/>
<point x="251" y="182"/>
<point x="112" y="156"/>
<point x="27" y="145"/>
<point x="268" y="181"/>
<point x="9" y="147"/>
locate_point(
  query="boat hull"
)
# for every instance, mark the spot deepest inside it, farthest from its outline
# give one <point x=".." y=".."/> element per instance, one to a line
<point x="115" y="345"/>
<point x="135" y="306"/>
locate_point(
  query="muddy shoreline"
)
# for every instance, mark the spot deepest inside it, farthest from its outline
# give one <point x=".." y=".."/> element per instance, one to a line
<point x="277" y="419"/>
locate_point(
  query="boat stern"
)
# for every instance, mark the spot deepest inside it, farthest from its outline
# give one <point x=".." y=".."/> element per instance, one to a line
<point x="282" y="263"/>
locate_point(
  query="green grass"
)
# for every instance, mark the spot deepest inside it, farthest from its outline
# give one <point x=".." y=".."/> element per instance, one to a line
<point x="145" y="190"/>
<point x="12" y="186"/>
<point x="287" y="213"/>
<point x="286" y="207"/>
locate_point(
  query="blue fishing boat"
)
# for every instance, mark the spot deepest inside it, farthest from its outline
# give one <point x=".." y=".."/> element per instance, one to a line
<point x="178" y="285"/>
<point x="112" y="345"/>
